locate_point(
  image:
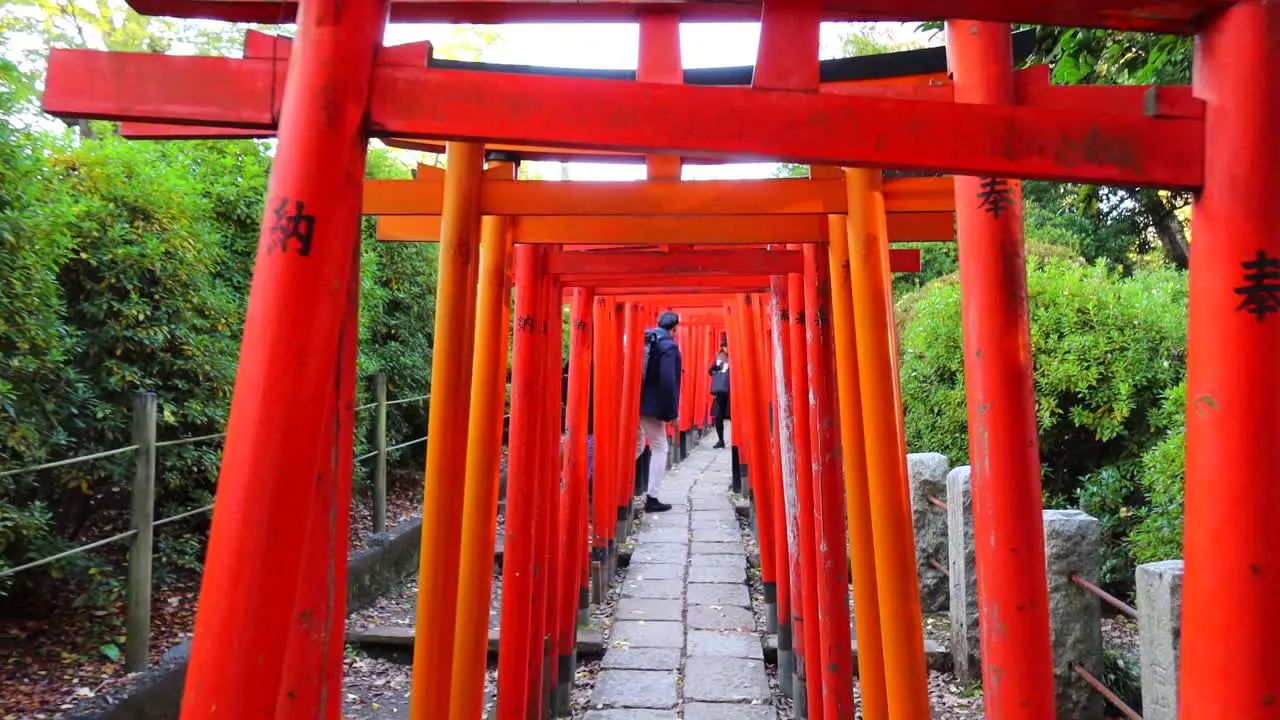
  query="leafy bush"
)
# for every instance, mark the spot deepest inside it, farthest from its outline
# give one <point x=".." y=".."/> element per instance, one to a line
<point x="125" y="266"/>
<point x="1109" y="352"/>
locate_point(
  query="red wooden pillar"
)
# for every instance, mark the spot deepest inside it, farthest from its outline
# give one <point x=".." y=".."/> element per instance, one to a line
<point x="541" y="667"/>
<point x="629" y="412"/>
<point x="602" y="507"/>
<point x="307" y="263"/>
<point x="1017" y="663"/>
<point x="516" y="631"/>
<point x="573" y="548"/>
<point x="828" y="493"/>
<point x="812" y="685"/>
<point x="751" y="361"/>
<point x="1233" y="419"/>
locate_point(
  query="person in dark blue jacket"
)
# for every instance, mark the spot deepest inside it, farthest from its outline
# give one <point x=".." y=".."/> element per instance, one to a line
<point x="659" y="402"/>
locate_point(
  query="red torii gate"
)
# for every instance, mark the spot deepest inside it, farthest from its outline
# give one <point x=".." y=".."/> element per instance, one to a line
<point x="337" y="95"/>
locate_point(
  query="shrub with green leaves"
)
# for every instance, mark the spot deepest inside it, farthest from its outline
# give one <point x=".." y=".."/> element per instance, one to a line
<point x="1108" y="351"/>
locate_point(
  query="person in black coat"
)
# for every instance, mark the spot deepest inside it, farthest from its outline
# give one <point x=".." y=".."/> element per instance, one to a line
<point x="659" y="401"/>
<point x="720" y="394"/>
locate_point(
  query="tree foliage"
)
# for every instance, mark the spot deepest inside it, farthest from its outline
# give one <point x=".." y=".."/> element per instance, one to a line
<point x="1109" y="357"/>
<point x="124" y="266"/>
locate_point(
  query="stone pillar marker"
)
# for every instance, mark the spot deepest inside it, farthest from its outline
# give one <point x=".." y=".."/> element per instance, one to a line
<point x="1159" y="589"/>
<point x="927" y="478"/>
<point x="964" y="578"/>
<point x="1075" y="615"/>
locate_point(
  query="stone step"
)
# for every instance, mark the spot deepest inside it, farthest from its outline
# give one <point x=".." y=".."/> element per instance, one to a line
<point x="397" y="638"/>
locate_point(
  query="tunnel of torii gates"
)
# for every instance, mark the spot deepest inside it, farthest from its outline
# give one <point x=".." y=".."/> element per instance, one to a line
<point x="795" y="272"/>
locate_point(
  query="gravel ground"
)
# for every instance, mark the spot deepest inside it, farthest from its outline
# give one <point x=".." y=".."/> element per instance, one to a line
<point x="1120" y="633"/>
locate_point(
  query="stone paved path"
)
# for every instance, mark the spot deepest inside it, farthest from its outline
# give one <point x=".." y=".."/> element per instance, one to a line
<point x="685" y="643"/>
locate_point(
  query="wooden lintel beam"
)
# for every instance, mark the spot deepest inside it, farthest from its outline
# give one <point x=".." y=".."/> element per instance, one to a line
<point x="705" y="263"/>
<point x="1079" y="144"/>
<point x="658" y="197"/>
<point x="705" y="230"/>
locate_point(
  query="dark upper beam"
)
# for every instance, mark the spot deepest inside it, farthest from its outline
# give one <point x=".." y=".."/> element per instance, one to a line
<point x="1173" y="16"/>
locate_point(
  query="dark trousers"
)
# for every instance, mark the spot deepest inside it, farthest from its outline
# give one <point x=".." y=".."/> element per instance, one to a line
<point x="719" y="423"/>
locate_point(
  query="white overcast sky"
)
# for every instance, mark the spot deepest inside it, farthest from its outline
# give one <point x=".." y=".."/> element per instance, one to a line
<point x="616" y="46"/>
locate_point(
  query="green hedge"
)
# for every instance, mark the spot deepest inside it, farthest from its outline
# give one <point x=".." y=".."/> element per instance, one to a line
<point x="125" y="266"/>
<point x="1110" y="354"/>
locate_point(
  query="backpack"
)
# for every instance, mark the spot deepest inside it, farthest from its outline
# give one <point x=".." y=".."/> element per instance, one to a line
<point x="649" y="353"/>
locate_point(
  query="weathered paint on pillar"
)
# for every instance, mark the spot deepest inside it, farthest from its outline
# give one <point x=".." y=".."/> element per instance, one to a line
<point x="1017" y="665"/>
<point x="896" y="583"/>
<point x="1229" y="669"/>
<point x="307" y="261"/>
<point x="866" y="601"/>
<point x="517" y="641"/>
<point x="828" y="492"/>
<point x="802" y="432"/>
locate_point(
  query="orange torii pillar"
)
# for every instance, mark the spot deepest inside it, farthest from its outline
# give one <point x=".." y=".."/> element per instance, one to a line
<point x="484" y="450"/>
<point x="447" y="427"/>
<point x="781" y="616"/>
<point x="1233" y="419"/>
<point x="897" y="585"/>
<point x="737" y="435"/>
<point x="308" y="259"/>
<point x="828" y="491"/>
<point x="805" y="615"/>
<point x="1013" y="596"/>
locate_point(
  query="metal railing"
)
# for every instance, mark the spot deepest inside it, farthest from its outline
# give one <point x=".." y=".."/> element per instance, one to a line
<point x="141" y="534"/>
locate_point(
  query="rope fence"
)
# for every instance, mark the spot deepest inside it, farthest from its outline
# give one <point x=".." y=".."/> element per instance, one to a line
<point x="140" y="535"/>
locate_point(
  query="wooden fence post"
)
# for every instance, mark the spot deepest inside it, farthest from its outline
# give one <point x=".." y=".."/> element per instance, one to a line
<point x="380" y="444"/>
<point x="138" y="601"/>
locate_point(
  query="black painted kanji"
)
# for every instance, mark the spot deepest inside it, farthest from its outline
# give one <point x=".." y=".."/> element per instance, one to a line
<point x="1262" y="292"/>
<point x="291" y="226"/>
<point x="525" y="323"/>
<point x="994" y="197"/>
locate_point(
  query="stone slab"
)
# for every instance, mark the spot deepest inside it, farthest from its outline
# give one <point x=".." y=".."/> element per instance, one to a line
<point x="659" y="553"/>
<point x="717" y="548"/>
<point x="704" y="533"/>
<point x="655" y="571"/>
<point x="729" y="561"/>
<point x="634" y="658"/>
<point x="728" y="711"/>
<point x="721" y="617"/>
<point x="654" y="589"/>
<point x="726" y="516"/>
<point x="716" y="679"/>
<point x="632" y="714"/>
<point x="634" y="689"/>
<point x="644" y="633"/>
<point x="638" y="609"/>
<point x="717" y="594"/>
<point x="714" y="574"/>
<point x="675" y="533"/>
<point x="710" y="643"/>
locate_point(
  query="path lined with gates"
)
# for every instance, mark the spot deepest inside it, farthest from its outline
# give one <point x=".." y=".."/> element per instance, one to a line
<point x="685" y="641"/>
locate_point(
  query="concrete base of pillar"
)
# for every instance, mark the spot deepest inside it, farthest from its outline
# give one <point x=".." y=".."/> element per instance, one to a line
<point x="800" y="700"/>
<point x="599" y="577"/>
<point x="770" y="608"/>
<point x="786" y="660"/>
<point x="562" y="698"/>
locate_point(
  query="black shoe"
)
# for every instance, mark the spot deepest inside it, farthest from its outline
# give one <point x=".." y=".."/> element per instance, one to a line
<point x="652" y="504"/>
<point x="718" y="445"/>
